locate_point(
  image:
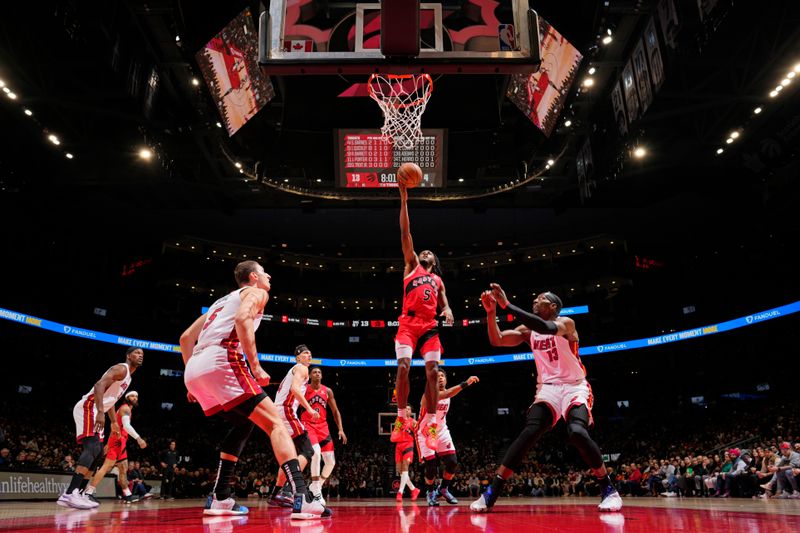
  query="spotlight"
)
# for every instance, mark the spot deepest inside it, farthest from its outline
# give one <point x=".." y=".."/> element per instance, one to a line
<point x="53" y="139"/>
<point x="237" y="165"/>
<point x="757" y="110"/>
<point x="6" y="89"/>
<point x="607" y="39"/>
<point x="461" y="180"/>
<point x="319" y="180"/>
<point x="551" y="162"/>
<point x="2" y="83"/>
<point x="797" y="68"/>
<point x="219" y="125"/>
<point x="592" y="70"/>
<point x="791" y="74"/>
<point x="773" y="94"/>
<point x="145" y="154"/>
<point x="69" y="155"/>
<point x="785" y="82"/>
<point x="568" y="123"/>
<point x="177" y="38"/>
<point x="241" y="171"/>
<point x="639" y="152"/>
<point x="588" y="82"/>
<point x="11" y="95"/>
<point x="779" y="88"/>
<point x="547" y="166"/>
<point x="734" y="135"/>
<point x="720" y="150"/>
<point x="729" y="140"/>
<point x="195" y="82"/>
<point x="29" y="112"/>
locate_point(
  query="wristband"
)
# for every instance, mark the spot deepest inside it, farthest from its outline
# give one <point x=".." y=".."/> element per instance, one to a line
<point x="464" y="384"/>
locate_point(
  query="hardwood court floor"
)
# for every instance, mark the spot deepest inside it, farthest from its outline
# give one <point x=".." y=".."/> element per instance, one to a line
<point x="383" y="515"/>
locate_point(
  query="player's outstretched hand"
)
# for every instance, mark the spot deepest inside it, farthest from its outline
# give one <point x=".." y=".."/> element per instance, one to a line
<point x="342" y="437"/>
<point x="488" y="301"/>
<point x="472" y="380"/>
<point x="448" y="316"/>
<point x="142" y="443"/>
<point x="499" y="294"/>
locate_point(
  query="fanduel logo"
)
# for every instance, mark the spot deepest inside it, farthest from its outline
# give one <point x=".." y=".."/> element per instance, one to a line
<point x="470" y="360"/>
<point x="67" y="329"/>
<point x="600" y="348"/>
<point x="342" y="362"/>
<point x="749" y="319"/>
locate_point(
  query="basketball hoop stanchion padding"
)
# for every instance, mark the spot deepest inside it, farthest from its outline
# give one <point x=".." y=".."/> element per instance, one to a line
<point x="400" y="35"/>
<point x="403" y="99"/>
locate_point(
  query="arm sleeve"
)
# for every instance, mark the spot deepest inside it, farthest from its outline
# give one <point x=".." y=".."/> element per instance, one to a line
<point x="533" y="322"/>
<point x="126" y="423"/>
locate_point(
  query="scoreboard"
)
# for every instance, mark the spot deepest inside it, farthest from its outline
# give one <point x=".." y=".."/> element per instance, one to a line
<point x="364" y="160"/>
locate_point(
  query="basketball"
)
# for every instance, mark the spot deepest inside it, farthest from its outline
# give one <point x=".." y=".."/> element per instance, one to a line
<point x="409" y="175"/>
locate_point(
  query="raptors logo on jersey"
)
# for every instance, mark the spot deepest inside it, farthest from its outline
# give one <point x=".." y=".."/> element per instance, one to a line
<point x="318" y="399"/>
<point x="421" y="294"/>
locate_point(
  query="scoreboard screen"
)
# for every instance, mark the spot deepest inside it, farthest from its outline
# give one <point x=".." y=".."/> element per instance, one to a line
<point x="364" y="160"/>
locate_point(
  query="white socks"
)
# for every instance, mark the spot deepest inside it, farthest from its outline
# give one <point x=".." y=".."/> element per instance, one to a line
<point x="405" y="481"/>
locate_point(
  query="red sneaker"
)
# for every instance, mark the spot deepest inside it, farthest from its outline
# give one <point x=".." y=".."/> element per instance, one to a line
<point x="414" y="494"/>
<point x="399" y="495"/>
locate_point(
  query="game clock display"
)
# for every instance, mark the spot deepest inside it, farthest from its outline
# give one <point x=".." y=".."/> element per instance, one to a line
<point x="364" y="160"/>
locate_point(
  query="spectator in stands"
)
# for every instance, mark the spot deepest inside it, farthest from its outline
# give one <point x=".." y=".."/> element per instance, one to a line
<point x="68" y="464"/>
<point x="785" y="472"/>
<point x="633" y="483"/>
<point x="5" y="459"/>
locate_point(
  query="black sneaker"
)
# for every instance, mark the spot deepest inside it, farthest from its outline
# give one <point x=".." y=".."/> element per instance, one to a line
<point x="91" y="497"/>
<point x="131" y="499"/>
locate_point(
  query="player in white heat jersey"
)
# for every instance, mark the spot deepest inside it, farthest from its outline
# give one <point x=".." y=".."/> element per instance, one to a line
<point x="561" y="390"/>
<point x="90" y="421"/>
<point x="224" y="375"/>
<point x="445" y="449"/>
<point x="291" y="395"/>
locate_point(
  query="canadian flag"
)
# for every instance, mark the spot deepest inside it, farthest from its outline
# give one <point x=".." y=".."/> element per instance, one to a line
<point x="306" y="45"/>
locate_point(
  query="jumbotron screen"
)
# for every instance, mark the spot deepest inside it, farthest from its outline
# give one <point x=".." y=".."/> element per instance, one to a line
<point x="364" y="160"/>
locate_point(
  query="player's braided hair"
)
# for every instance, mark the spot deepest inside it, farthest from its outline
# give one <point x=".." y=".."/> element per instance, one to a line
<point x="437" y="267"/>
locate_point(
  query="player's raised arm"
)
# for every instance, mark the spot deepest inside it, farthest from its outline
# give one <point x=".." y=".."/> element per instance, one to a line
<point x="409" y="255"/>
<point x="559" y="326"/>
<point x="452" y="391"/>
<point x="509" y="337"/>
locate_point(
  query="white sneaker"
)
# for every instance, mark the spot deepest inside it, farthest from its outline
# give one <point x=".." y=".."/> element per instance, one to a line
<point x="63" y="500"/>
<point x="612" y="502"/>
<point x="795" y="495"/>
<point x="76" y="500"/>
<point x="318" y="498"/>
<point x="669" y="494"/>
<point x="227" y="506"/>
<point x="479" y="505"/>
<point x="304" y="509"/>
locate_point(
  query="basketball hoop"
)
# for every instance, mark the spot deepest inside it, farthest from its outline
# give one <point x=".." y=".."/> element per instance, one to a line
<point x="403" y="99"/>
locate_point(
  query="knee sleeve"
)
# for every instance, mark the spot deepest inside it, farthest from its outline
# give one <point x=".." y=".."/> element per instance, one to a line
<point x="539" y="422"/>
<point x="403" y="351"/>
<point x="92" y="449"/>
<point x="431" y="468"/>
<point x="578" y="436"/>
<point x="303" y="446"/>
<point x="450" y="463"/>
<point x="330" y="461"/>
<point x="234" y="442"/>
<point x="315" y="461"/>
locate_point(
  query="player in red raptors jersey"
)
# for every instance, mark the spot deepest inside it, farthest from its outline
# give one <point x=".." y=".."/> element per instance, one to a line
<point x="445" y="450"/>
<point x="223" y="374"/>
<point x="561" y="390"/>
<point x="90" y="421"/>
<point x="320" y="397"/>
<point x="423" y="297"/>
<point x="117" y="453"/>
<point x="404" y="454"/>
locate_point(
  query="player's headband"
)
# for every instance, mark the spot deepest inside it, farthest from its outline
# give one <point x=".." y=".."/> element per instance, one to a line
<point x="131" y="393"/>
<point x="553" y="299"/>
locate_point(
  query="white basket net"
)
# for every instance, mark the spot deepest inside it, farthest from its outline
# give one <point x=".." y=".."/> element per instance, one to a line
<point x="403" y="99"/>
